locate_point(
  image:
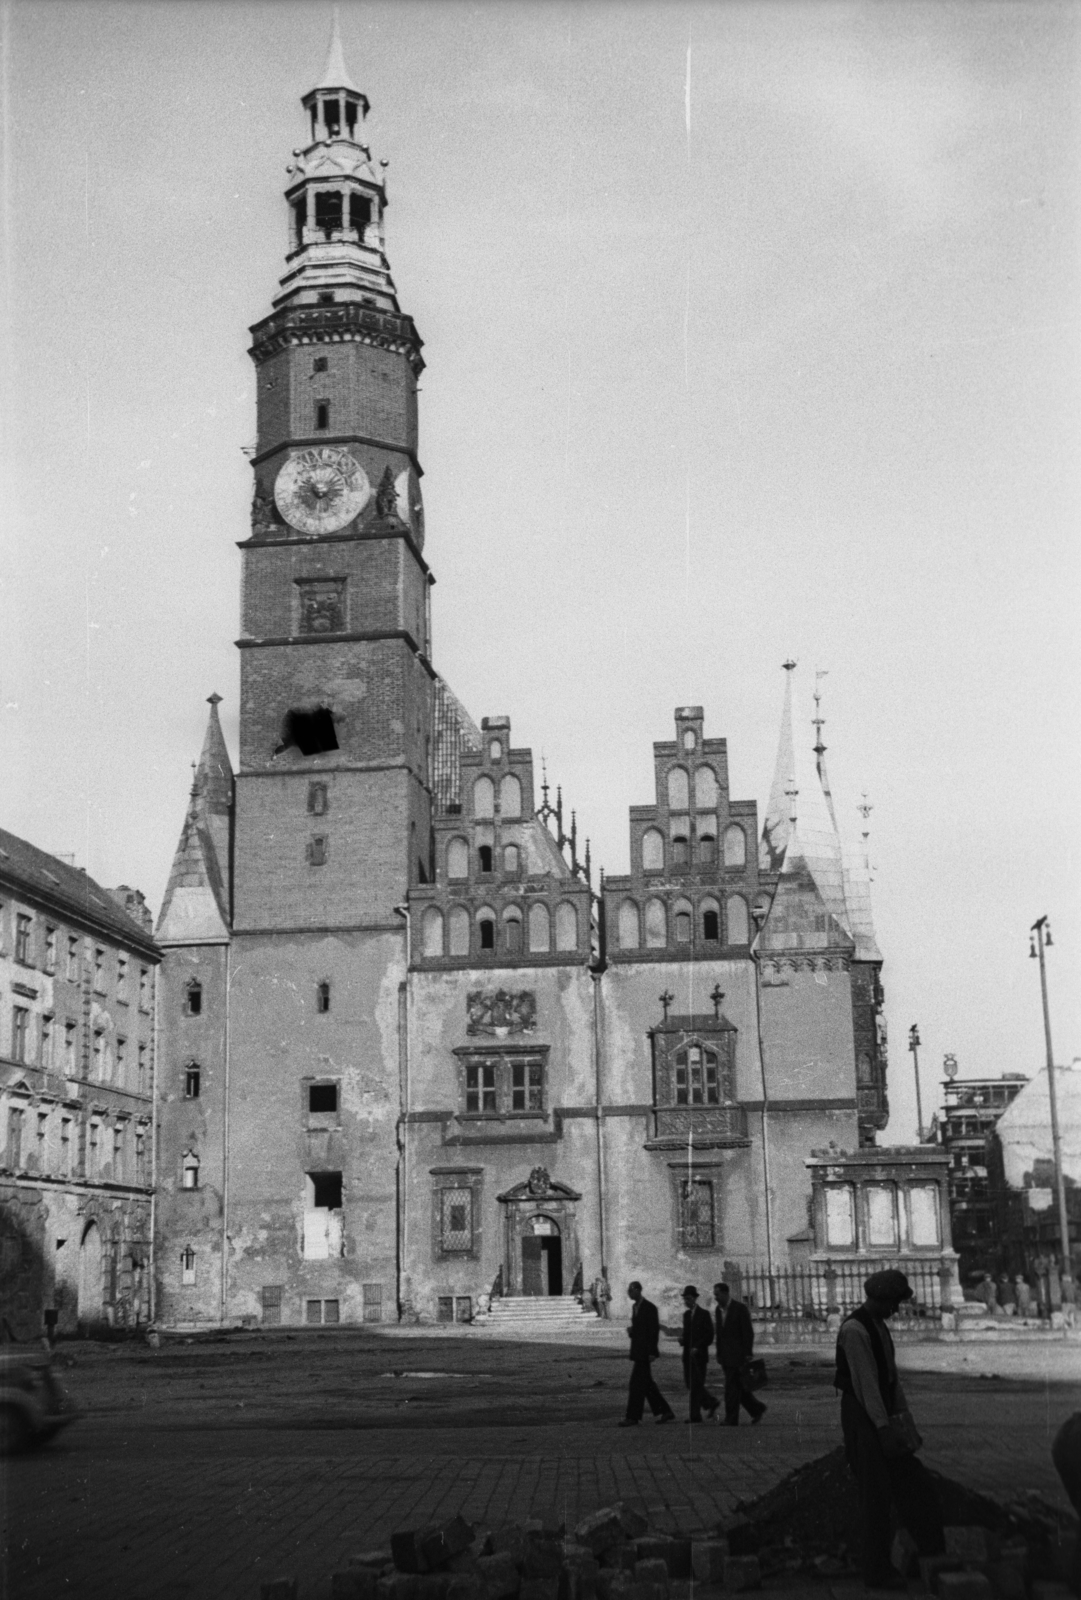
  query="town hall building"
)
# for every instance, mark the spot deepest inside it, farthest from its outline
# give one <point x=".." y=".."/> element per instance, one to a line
<point x="411" y="1054"/>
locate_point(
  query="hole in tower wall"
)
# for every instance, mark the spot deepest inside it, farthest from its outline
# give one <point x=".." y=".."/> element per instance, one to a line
<point x="310" y="732"/>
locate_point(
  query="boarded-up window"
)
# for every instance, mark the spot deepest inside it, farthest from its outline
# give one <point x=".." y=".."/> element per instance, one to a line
<point x="683" y="924"/>
<point x="540" y="928"/>
<point x="512" y="931"/>
<point x="923" y="1214"/>
<point x="705" y="789"/>
<point x="656" y="925"/>
<point x="510" y="860"/>
<point x="271" y="1296"/>
<point x="372" y="1298"/>
<point x="484" y="798"/>
<point x="313" y="1312"/>
<point x="432" y="926"/>
<point x="735" y="846"/>
<point x="630" y="933"/>
<point x="510" y="796"/>
<point x="707" y="849"/>
<point x="840" y="1215"/>
<point x="881" y="1214"/>
<point x="456" y="1219"/>
<point x="652" y="850"/>
<point x="457" y="859"/>
<point x="678" y="789"/>
<point x="738" y="921"/>
<point x="444" y="1308"/>
<point x="459" y="931"/>
<point x="566" y="927"/>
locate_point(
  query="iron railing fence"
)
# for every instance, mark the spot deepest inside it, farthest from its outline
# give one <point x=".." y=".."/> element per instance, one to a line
<point x="812" y="1293"/>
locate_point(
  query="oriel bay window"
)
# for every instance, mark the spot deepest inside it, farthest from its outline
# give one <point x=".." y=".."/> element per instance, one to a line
<point x="507" y="1083"/>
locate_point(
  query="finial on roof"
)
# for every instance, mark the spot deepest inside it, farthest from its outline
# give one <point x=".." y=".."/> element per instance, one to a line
<point x="792" y="791"/>
<point x="818" y="719"/>
<point x="336" y="74"/>
<point x="213" y="699"/>
<point x="789" y="665"/>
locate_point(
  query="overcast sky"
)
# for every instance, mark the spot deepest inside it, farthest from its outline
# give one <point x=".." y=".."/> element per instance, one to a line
<point x="752" y="332"/>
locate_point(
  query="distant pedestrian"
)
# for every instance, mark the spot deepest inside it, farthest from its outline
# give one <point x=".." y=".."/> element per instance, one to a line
<point x="985" y="1291"/>
<point x="644" y="1333"/>
<point x="578" y="1286"/>
<point x="696" y="1338"/>
<point x="879" y="1435"/>
<point x="735" y="1346"/>
<point x="1024" y="1296"/>
<point x="602" y="1294"/>
<point x="1005" y="1294"/>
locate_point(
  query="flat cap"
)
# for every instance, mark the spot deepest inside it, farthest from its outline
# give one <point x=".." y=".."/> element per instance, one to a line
<point x="890" y="1285"/>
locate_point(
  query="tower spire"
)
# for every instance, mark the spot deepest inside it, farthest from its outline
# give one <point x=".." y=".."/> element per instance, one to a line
<point x="336" y="73"/>
<point x="777" y="822"/>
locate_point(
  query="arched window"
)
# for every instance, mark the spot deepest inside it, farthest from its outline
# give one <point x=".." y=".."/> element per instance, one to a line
<point x="187" y="1265"/>
<point x="189" y="1170"/>
<point x="711" y="922"/>
<point x="484" y="798"/>
<point x="736" y="916"/>
<point x="484" y="856"/>
<point x="486" y="929"/>
<point x="457" y="860"/>
<point x="510" y="796"/>
<point x="459" y="931"/>
<point x="566" y="926"/>
<point x="705" y="789"/>
<point x="432" y="932"/>
<point x="681" y="851"/>
<point x="322" y="995"/>
<point x="707" y="849"/>
<point x="510" y="860"/>
<point x="512" y="931"/>
<point x="193" y="998"/>
<point x="682" y="922"/>
<point x="735" y="846"/>
<point x="678" y="789"/>
<point x="630" y="933"/>
<point x="863" y="1068"/>
<point x="653" y="850"/>
<point x="540" y="928"/>
<point x="656" y="925"/>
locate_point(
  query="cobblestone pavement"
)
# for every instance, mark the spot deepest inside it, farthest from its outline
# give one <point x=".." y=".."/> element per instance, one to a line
<point x="201" y="1469"/>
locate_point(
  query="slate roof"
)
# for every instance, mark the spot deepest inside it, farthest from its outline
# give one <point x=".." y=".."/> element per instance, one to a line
<point x="68" y="890"/>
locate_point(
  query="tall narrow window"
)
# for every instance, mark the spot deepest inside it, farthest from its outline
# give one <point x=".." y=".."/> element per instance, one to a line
<point x="680" y="851"/>
<point x="484" y="856"/>
<point x="459" y="931"/>
<point x="73" y="959"/>
<point x="457" y="860"/>
<point x="98" y="1052"/>
<point x="140" y="1156"/>
<point x="189" y="1170"/>
<point x="566" y="926"/>
<point x="711" y="922"/>
<point x="360" y="214"/>
<point x="527" y="1086"/>
<point x="193" y="999"/>
<point x="480" y="1090"/>
<point x="322" y="415"/>
<point x="22" y="938"/>
<point x="707" y="849"/>
<point x="682" y="923"/>
<point x="540" y="929"/>
<point x="484" y="797"/>
<point x="192" y="1082"/>
<point x="656" y="925"/>
<point x="70" y="1042"/>
<point x="456" y="1220"/>
<point x="50" y="949"/>
<point x="15" y="1138"/>
<point x="144" y="989"/>
<point x="187" y="1265"/>
<point x="512" y="931"/>
<point x="510" y="796"/>
<point x="705" y="789"/>
<point x="486" y="931"/>
<point x="48" y="1024"/>
<point x="42" y="1135"/>
<point x="328" y="211"/>
<point x="65" y="1147"/>
<point x="652" y="850"/>
<point x="629" y="930"/>
<point x="735" y="846"/>
<point x="322" y="995"/>
<point x="20" y="1032"/>
<point x="317" y="799"/>
<point x="510" y="860"/>
<point x="738" y="922"/>
<point x="696" y="1204"/>
<point x="432" y="932"/>
<point x="122" y="978"/>
<point x="121" y="1053"/>
<point x="99" y="970"/>
<point x="678" y="789"/>
<point x="143" y="1079"/>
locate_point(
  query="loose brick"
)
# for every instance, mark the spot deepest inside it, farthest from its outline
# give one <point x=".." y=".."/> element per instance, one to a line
<point x="499" y="1575"/>
<point x="708" y="1557"/>
<point x="904" y="1553"/>
<point x="972" y="1543"/>
<point x="602" y="1530"/>
<point x="449" y="1539"/>
<point x="963" y="1586"/>
<point x="742" y="1572"/>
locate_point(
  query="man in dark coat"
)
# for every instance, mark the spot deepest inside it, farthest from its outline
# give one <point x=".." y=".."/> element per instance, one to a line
<point x="879" y="1435"/>
<point x="644" y="1332"/>
<point x="696" y="1338"/>
<point x="735" y="1345"/>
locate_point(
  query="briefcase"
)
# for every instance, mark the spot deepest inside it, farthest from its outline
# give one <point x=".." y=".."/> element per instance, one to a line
<point x="754" y="1374"/>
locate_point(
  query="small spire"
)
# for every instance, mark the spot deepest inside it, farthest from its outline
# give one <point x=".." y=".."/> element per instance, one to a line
<point x="336" y="74"/>
<point x="792" y="791"/>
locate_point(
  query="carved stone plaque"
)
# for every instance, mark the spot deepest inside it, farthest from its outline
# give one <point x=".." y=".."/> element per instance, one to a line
<point x="500" y="1012"/>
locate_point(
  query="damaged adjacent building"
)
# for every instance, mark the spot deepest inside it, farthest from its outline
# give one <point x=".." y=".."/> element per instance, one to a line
<point x="78" y="967"/>
<point x="409" y="1053"/>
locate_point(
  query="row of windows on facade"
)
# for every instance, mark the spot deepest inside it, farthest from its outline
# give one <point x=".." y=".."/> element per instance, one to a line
<point x="46" y="1142"/>
<point x="110" y="1062"/>
<point x="193" y="997"/>
<point x="27" y="955"/>
<point x="457" y="1220"/>
<point x="880" y="1212"/>
<point x="457" y="858"/>
<point x="653" y="850"/>
<point x="460" y="934"/>
<point x="653" y="919"/>
<point x="515" y="1084"/>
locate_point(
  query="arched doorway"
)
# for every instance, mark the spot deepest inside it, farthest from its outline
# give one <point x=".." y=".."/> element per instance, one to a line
<point x="91" y="1281"/>
<point x="542" y="1256"/>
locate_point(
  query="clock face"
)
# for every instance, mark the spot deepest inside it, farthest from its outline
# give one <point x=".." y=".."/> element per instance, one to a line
<point x="319" y="491"/>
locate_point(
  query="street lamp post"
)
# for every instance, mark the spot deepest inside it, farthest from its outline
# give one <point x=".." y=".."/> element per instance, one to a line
<point x="914" y="1046"/>
<point x="1039" y="938"/>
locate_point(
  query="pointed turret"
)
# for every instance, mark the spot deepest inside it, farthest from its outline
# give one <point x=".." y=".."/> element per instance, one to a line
<point x="335" y="74"/>
<point x="196" y="907"/>
<point x="775" y="825"/>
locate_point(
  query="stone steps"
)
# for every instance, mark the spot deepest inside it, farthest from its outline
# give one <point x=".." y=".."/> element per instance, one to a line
<point x="539" y="1312"/>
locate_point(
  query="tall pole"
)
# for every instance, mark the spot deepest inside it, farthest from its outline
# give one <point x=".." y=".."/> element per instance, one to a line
<point x="914" y="1046"/>
<point x="1041" y="937"/>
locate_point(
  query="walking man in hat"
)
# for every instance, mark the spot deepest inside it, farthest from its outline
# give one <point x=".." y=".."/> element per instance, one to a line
<point x="644" y="1333"/>
<point x="880" y="1436"/>
<point x="735" y="1346"/>
<point x="696" y="1338"/>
